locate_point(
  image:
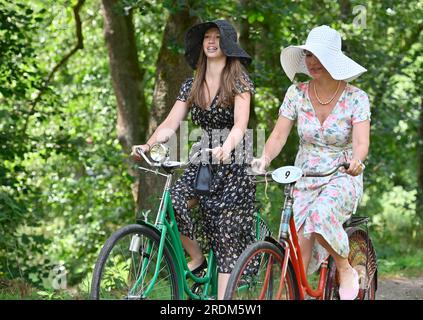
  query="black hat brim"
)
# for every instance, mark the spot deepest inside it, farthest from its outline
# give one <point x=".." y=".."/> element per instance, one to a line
<point x="230" y="47"/>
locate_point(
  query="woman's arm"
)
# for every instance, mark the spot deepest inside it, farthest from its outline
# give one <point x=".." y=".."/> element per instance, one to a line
<point x="172" y="122"/>
<point x="360" y="144"/>
<point x="277" y="139"/>
<point x="274" y="144"/>
<point x="167" y="128"/>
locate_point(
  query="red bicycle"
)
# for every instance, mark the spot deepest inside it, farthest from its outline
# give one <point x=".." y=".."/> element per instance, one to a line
<point x="273" y="269"/>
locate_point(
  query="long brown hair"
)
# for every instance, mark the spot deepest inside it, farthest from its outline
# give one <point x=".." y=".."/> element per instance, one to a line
<point x="232" y="73"/>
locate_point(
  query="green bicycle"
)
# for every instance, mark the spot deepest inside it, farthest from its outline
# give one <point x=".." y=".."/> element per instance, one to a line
<point x="146" y="260"/>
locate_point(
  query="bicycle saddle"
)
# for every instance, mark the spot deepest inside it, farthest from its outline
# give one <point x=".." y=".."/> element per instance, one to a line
<point x="355" y="221"/>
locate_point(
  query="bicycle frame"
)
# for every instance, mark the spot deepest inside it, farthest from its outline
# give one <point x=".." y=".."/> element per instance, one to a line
<point x="166" y="227"/>
<point x="297" y="262"/>
<point x="293" y="277"/>
<point x="290" y="243"/>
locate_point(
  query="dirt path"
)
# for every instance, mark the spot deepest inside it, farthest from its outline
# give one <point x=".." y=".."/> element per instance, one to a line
<point x="400" y="289"/>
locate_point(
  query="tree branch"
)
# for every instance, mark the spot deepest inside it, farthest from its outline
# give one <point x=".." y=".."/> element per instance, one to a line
<point x="79" y="45"/>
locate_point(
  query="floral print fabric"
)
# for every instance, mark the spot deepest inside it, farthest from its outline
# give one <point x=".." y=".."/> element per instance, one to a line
<point x="226" y="221"/>
<point x="322" y="205"/>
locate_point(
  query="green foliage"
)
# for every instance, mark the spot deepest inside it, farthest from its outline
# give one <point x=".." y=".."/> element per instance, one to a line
<point x="64" y="185"/>
<point x="64" y="182"/>
<point x="400" y="264"/>
<point x="17" y="22"/>
<point x="19" y="79"/>
<point x="395" y="228"/>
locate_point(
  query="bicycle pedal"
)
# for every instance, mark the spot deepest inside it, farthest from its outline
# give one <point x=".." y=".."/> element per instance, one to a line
<point x="196" y="288"/>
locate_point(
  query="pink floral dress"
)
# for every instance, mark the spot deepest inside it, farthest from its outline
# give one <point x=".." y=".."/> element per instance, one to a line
<point x="322" y="205"/>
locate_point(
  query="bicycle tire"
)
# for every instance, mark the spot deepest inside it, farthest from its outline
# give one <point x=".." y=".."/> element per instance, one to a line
<point x="113" y="275"/>
<point x="245" y="279"/>
<point x="362" y="257"/>
<point x="331" y="284"/>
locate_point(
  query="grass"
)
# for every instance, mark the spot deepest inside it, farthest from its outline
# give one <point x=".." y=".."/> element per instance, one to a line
<point x="18" y="289"/>
<point x="402" y="265"/>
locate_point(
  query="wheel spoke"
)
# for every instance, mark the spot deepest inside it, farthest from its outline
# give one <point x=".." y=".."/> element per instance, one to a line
<point x="258" y="273"/>
<point x="126" y="272"/>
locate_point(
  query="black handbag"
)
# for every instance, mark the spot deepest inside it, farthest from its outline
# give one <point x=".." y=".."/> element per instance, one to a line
<point x="203" y="179"/>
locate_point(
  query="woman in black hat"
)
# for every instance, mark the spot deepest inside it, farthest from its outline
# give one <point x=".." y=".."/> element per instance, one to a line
<point x="218" y="97"/>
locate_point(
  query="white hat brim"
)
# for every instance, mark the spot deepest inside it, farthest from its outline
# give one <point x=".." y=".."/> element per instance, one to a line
<point x="339" y="66"/>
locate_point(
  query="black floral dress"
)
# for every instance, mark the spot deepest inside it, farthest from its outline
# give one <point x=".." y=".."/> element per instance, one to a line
<point x="226" y="216"/>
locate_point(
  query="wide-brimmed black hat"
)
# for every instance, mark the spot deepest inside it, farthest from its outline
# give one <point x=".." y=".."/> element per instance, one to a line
<point x="228" y="42"/>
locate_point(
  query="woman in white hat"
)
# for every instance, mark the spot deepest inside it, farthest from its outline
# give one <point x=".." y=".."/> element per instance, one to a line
<point x="333" y="123"/>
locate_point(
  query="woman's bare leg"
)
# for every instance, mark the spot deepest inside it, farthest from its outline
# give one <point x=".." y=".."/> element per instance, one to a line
<point x="194" y="251"/>
<point x="222" y="283"/>
<point x="306" y="246"/>
<point x="346" y="276"/>
<point x="191" y="246"/>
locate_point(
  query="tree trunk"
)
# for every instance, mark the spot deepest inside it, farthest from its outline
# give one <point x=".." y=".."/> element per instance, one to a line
<point x="346" y="10"/>
<point x="127" y="78"/>
<point x="249" y="46"/>
<point x="172" y="70"/>
<point x="127" y="81"/>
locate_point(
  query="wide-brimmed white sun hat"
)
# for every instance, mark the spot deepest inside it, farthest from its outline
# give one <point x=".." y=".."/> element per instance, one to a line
<point x="325" y="43"/>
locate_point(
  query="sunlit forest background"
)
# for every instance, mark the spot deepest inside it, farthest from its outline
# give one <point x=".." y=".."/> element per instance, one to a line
<point x="83" y="80"/>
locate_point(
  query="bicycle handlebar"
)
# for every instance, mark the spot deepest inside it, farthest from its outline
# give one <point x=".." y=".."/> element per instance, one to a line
<point x="346" y="165"/>
<point x="167" y="163"/>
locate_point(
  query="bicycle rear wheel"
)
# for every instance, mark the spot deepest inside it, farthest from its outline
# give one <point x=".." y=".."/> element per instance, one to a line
<point x="257" y="275"/>
<point x="126" y="267"/>
<point x="362" y="258"/>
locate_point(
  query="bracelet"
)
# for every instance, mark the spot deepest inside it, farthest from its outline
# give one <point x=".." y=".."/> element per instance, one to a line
<point x="149" y="147"/>
<point x="361" y="164"/>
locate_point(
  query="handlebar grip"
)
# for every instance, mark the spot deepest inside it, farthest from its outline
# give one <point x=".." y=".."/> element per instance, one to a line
<point x="346" y="165"/>
<point x="139" y="151"/>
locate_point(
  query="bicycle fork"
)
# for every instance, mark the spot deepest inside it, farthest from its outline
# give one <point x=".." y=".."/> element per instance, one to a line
<point x="144" y="250"/>
<point x="286" y="213"/>
<point x="284" y="234"/>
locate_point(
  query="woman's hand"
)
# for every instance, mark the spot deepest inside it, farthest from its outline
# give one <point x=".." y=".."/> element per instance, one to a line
<point x="220" y="154"/>
<point x="259" y="165"/>
<point x="356" y="167"/>
<point x="144" y="147"/>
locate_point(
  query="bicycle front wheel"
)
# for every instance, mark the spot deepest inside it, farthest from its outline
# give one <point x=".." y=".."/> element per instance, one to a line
<point x="257" y="275"/>
<point x="129" y="267"/>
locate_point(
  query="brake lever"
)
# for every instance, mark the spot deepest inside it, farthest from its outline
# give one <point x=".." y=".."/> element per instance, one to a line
<point x="138" y="151"/>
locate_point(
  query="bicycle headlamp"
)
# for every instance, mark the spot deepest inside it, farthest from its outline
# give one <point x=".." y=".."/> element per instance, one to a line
<point x="159" y="152"/>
